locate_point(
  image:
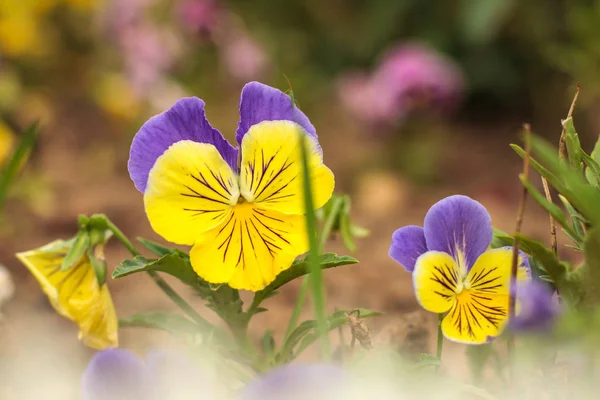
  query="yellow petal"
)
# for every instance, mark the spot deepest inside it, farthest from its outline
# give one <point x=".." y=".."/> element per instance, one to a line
<point x="190" y="190"/>
<point x="481" y="311"/>
<point x="75" y="293"/>
<point x="436" y="280"/>
<point x="250" y="248"/>
<point x="271" y="168"/>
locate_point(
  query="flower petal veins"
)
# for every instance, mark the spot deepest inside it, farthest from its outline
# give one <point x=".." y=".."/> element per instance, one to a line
<point x="250" y="248"/>
<point x="481" y="310"/>
<point x="436" y="279"/>
<point x="191" y="189"/>
<point x="271" y="169"/>
<point x="75" y="293"/>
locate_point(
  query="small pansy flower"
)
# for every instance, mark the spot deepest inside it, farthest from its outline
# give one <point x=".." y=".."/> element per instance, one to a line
<point x="164" y="375"/>
<point x="240" y="208"/>
<point x="75" y="293"/>
<point x="538" y="308"/>
<point x="117" y="374"/>
<point x="298" y="381"/>
<point x="454" y="273"/>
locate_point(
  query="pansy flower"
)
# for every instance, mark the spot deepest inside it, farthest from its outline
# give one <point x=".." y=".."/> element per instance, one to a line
<point x="454" y="273"/>
<point x="240" y="208"/>
<point x="538" y="308"/>
<point x="75" y="293"/>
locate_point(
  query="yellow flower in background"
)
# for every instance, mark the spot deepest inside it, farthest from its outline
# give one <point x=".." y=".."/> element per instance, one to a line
<point x="75" y="293"/>
<point x="242" y="209"/>
<point x="115" y="95"/>
<point x="7" y="140"/>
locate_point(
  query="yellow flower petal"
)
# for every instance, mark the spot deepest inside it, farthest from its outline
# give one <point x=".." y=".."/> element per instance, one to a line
<point x="191" y="190"/>
<point x="250" y="248"/>
<point x="481" y="310"/>
<point x="436" y="280"/>
<point x="271" y="168"/>
<point x="75" y="293"/>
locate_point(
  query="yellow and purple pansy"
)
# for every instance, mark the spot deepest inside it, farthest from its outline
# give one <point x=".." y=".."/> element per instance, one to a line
<point x="241" y="209"/>
<point x="454" y="272"/>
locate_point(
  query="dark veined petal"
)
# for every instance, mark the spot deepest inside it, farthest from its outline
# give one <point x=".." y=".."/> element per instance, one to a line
<point x="296" y="382"/>
<point x="250" y="247"/>
<point x="191" y="190"/>
<point x="408" y="243"/>
<point x="436" y="280"/>
<point x="260" y="103"/>
<point x="481" y="309"/>
<point x="117" y="374"/>
<point x="186" y="120"/>
<point x="459" y="226"/>
<point x="271" y="172"/>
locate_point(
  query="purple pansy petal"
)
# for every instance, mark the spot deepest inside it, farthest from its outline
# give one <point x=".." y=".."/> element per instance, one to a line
<point x="295" y="382"/>
<point x="186" y="120"/>
<point x="460" y="226"/>
<point x="117" y="374"/>
<point x="408" y="243"/>
<point x="537" y="308"/>
<point x="260" y="102"/>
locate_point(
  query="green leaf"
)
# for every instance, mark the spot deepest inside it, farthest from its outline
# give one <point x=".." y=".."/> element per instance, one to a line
<point x="592" y="172"/>
<point x="98" y="264"/>
<point x="161" y="320"/>
<point x="77" y="250"/>
<point x="501" y="239"/>
<point x="171" y="264"/>
<point x="550" y="177"/>
<point x="592" y="266"/>
<point x="550" y="207"/>
<point x="581" y="195"/>
<point x="298" y="269"/>
<point x="267" y="343"/>
<point x="160" y="250"/>
<point x="595" y="156"/>
<point x="573" y="144"/>
<point x="577" y="221"/>
<point x="19" y="156"/>
<point x="334" y="321"/>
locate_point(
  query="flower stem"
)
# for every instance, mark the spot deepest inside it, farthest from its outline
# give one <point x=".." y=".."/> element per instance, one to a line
<point x="160" y="282"/>
<point x="301" y="299"/>
<point x="440" y="339"/>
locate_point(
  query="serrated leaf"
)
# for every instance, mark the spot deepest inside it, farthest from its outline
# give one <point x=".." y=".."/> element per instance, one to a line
<point x="161" y="320"/>
<point x="298" y="269"/>
<point x="171" y="264"/>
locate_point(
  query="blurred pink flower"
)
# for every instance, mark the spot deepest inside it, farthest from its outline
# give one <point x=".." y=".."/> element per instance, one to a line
<point x="244" y="58"/>
<point x="199" y="16"/>
<point x="409" y="77"/>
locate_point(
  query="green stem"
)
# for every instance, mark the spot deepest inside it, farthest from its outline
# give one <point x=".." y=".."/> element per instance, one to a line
<point x="316" y="274"/>
<point x="160" y="282"/>
<point x="440" y="339"/>
<point x="301" y="299"/>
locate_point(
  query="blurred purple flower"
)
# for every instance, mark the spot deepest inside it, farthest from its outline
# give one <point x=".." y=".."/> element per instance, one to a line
<point x="295" y="382"/>
<point x="244" y="58"/>
<point x="409" y="77"/>
<point x="167" y="375"/>
<point x="117" y="374"/>
<point x="199" y="16"/>
<point x="537" y="308"/>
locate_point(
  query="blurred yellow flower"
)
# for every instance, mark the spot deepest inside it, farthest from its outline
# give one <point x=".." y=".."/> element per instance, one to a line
<point x="114" y="94"/>
<point x="6" y="142"/>
<point x="75" y="293"/>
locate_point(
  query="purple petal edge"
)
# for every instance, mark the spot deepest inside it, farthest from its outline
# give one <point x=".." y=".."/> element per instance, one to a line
<point x="408" y="243"/>
<point x="186" y="120"/>
<point x="458" y="224"/>
<point x="260" y="102"/>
